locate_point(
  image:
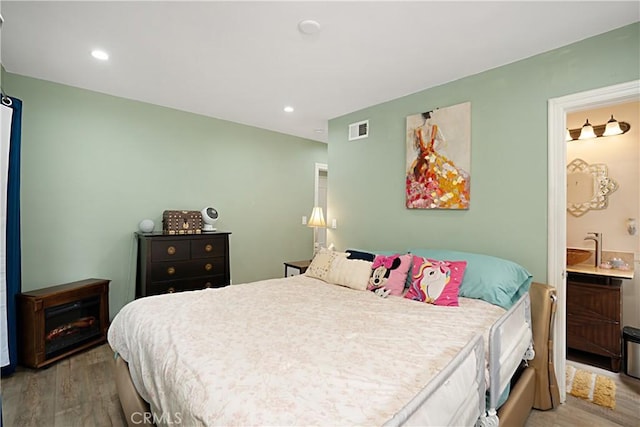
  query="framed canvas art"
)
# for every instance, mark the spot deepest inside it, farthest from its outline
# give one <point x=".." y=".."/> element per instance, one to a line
<point x="438" y="164"/>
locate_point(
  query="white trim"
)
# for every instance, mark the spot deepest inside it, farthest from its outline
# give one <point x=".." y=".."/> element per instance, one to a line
<point x="557" y="198"/>
<point x="319" y="167"/>
<point x="6" y="115"/>
<point x="320" y="235"/>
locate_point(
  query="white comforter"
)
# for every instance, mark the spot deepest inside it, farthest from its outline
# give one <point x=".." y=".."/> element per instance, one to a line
<point x="294" y="351"/>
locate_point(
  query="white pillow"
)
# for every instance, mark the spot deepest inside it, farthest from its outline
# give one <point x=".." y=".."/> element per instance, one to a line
<point x="352" y="273"/>
<point x="321" y="263"/>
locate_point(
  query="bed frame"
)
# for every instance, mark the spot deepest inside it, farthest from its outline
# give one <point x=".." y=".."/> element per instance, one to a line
<point x="536" y="385"/>
<point x="531" y="375"/>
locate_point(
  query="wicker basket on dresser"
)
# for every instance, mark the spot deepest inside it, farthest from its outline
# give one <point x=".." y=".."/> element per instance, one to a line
<point x="174" y="263"/>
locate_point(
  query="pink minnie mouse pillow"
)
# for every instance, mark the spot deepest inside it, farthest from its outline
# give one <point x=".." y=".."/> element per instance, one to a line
<point x="389" y="272"/>
<point x="436" y="282"/>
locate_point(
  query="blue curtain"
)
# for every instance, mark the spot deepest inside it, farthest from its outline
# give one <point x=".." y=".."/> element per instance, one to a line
<point x="13" y="251"/>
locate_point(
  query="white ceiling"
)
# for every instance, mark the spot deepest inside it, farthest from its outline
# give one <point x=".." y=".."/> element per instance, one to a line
<point x="244" y="61"/>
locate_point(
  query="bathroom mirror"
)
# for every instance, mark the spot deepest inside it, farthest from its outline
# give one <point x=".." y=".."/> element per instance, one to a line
<point x="588" y="187"/>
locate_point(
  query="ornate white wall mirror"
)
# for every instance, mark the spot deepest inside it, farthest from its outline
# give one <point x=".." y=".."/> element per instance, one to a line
<point x="588" y="187"/>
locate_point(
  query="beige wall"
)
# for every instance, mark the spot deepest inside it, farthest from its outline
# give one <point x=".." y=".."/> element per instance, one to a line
<point x="621" y="154"/>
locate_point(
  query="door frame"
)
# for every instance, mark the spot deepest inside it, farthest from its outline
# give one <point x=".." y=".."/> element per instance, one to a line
<point x="318" y="168"/>
<point x="557" y="198"/>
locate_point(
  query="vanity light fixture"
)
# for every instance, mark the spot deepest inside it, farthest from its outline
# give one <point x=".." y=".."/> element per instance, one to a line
<point x="612" y="127"/>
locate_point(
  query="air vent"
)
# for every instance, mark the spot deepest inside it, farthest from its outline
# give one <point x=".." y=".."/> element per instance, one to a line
<point x="359" y="130"/>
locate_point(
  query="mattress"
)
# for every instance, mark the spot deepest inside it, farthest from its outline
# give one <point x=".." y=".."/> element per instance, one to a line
<point x="289" y="351"/>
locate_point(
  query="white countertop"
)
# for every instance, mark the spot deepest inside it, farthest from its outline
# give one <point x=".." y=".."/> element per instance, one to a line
<point x="609" y="272"/>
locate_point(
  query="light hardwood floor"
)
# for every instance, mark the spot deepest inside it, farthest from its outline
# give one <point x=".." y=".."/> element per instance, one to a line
<point x="76" y="391"/>
<point x="578" y="412"/>
<point x="80" y="391"/>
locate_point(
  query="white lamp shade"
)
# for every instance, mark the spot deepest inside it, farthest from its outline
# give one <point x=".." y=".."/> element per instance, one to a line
<point x="568" y="136"/>
<point x="612" y="128"/>
<point x="317" y="218"/>
<point x="587" y="131"/>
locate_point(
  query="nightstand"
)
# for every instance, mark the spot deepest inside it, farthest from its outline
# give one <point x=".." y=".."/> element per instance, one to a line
<point x="293" y="268"/>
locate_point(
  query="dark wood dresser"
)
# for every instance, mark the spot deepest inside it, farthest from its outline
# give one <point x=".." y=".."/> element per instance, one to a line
<point x="173" y="263"/>
<point x="594" y="320"/>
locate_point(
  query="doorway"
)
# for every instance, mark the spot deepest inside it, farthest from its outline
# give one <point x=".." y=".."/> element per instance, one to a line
<point x="557" y="197"/>
<point x="321" y="174"/>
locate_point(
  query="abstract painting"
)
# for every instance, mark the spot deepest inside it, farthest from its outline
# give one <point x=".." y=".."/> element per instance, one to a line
<point x="438" y="164"/>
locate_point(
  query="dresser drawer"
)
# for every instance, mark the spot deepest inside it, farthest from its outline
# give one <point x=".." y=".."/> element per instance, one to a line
<point x="161" y="271"/>
<point x="170" y="250"/>
<point x="157" y="288"/>
<point x="211" y="246"/>
<point x="174" y="263"/>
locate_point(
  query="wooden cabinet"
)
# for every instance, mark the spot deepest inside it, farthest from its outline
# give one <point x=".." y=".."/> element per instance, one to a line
<point x="62" y="320"/>
<point x="594" y="315"/>
<point x="294" y="268"/>
<point x="174" y="263"/>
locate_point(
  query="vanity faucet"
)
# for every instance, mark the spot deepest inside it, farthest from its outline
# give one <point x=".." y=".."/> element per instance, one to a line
<point x="597" y="238"/>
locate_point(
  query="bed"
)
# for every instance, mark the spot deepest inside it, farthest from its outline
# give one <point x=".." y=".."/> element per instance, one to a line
<point x="306" y="351"/>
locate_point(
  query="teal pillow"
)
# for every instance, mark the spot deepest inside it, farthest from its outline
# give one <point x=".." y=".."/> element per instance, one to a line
<point x="495" y="280"/>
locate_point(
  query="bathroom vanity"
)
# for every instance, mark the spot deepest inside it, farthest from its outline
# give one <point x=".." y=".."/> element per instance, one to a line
<point x="594" y="315"/>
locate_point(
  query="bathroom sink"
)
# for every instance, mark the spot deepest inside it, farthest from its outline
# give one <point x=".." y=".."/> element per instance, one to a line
<point x="577" y="256"/>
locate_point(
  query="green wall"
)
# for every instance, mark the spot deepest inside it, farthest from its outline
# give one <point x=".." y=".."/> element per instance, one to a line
<point x="508" y="210"/>
<point x="94" y="165"/>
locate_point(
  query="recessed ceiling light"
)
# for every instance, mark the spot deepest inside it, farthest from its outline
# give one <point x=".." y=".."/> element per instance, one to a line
<point x="308" y="26"/>
<point x="288" y="109"/>
<point x="318" y="130"/>
<point x="100" y="54"/>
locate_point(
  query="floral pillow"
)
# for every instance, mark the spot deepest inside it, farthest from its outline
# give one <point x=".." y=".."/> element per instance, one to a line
<point x="389" y="273"/>
<point x="436" y="282"/>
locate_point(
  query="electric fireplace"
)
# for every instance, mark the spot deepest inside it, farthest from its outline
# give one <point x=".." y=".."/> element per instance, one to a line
<point x="61" y="320"/>
<point x="70" y="324"/>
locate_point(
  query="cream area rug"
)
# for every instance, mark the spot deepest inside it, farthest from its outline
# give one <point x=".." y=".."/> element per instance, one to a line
<point x="589" y="386"/>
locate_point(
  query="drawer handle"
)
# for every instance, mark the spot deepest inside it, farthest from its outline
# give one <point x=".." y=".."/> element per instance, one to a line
<point x="171" y="250"/>
<point x="171" y="290"/>
<point x="208" y="247"/>
<point x="171" y="271"/>
<point x="207" y="285"/>
<point x="208" y="266"/>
